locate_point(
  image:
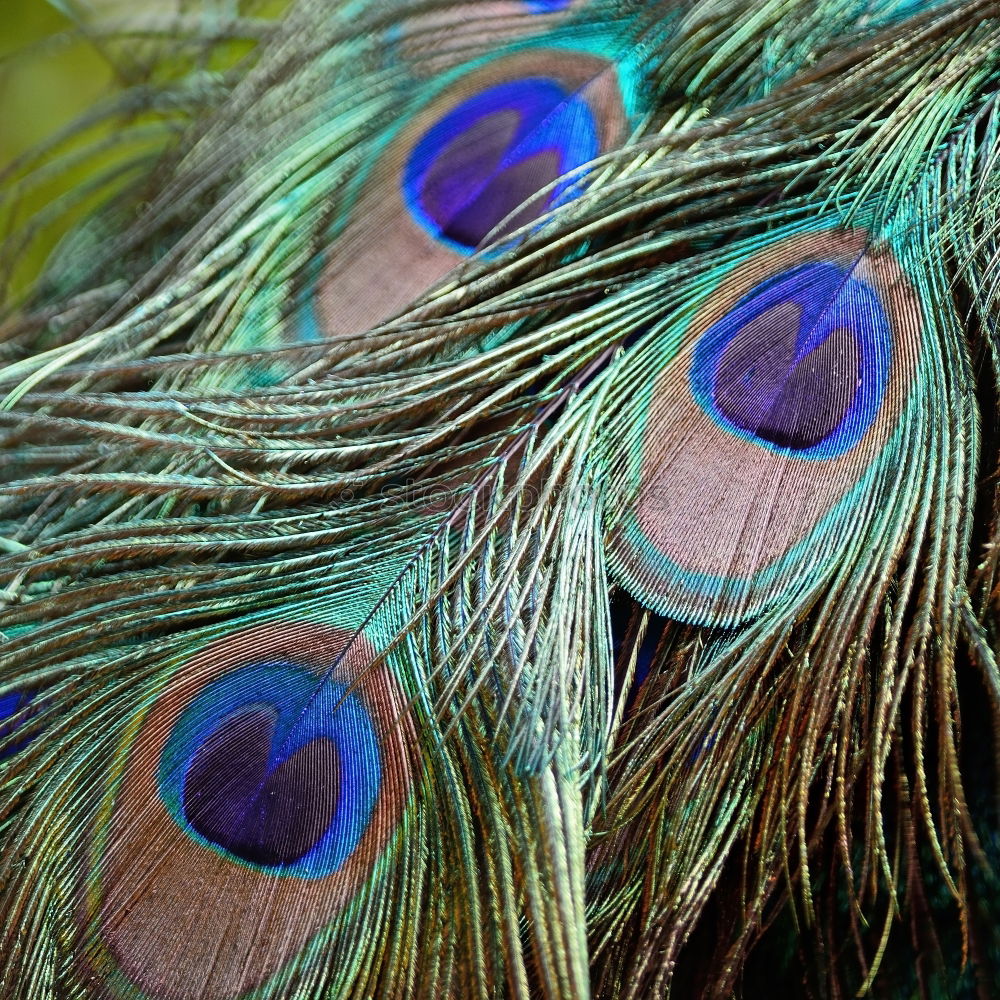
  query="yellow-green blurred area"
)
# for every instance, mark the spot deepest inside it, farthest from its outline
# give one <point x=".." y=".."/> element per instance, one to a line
<point x="64" y="60"/>
<point x="47" y="76"/>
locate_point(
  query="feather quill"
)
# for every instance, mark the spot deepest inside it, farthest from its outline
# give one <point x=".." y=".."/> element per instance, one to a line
<point x="582" y="616"/>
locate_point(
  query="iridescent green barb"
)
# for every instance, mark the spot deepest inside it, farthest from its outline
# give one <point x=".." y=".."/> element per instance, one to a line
<point x="500" y="502"/>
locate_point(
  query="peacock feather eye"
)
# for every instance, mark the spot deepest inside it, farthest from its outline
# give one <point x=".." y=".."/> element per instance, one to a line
<point x="481" y="159"/>
<point x="12" y="707"/>
<point x="800" y="363"/>
<point x="493" y="154"/>
<point x="769" y="430"/>
<point x="273" y="771"/>
<point x="478" y="521"/>
<point x="547" y="6"/>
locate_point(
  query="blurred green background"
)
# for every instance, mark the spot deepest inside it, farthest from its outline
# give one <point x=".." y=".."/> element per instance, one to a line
<point x="48" y="75"/>
<point x="55" y="67"/>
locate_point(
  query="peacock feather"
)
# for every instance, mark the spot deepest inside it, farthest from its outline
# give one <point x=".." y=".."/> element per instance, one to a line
<point x="500" y="501"/>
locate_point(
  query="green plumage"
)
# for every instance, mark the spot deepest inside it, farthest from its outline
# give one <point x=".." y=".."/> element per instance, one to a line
<point x="500" y="501"/>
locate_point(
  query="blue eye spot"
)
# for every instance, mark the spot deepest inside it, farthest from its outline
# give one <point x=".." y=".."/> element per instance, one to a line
<point x="493" y="153"/>
<point x="799" y="364"/>
<point x="275" y="768"/>
<point x="10" y="705"/>
<point x="545" y="6"/>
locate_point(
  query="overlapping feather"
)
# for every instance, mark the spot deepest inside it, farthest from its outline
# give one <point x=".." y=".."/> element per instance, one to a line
<point x="446" y="487"/>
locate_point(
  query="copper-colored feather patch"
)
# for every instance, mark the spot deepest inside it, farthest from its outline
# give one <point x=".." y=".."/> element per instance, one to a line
<point x="251" y="806"/>
<point x="430" y="43"/>
<point x="764" y="437"/>
<point x="479" y="160"/>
